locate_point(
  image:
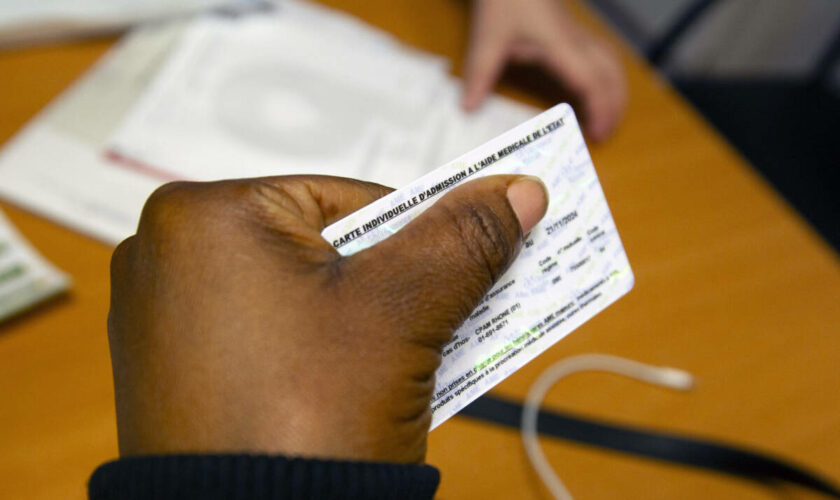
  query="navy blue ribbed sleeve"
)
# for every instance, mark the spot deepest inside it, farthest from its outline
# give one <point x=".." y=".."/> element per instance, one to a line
<point x="259" y="477"/>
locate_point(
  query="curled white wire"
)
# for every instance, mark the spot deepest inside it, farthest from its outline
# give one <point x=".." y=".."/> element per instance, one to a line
<point x="671" y="378"/>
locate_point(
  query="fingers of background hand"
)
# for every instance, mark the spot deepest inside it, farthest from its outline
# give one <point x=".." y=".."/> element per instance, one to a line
<point x="485" y="57"/>
<point x="594" y="76"/>
<point x="614" y="85"/>
<point x="431" y="274"/>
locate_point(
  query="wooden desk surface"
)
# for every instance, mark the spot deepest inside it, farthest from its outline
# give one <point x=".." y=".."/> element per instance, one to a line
<point x="730" y="284"/>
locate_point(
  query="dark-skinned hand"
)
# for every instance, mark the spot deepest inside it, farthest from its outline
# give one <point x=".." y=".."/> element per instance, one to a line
<point x="236" y="328"/>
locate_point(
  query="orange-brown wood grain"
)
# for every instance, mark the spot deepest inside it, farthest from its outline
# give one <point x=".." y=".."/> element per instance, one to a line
<point x="731" y="284"/>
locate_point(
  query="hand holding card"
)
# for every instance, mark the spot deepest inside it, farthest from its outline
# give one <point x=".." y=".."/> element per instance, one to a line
<point x="235" y="327"/>
<point x="572" y="265"/>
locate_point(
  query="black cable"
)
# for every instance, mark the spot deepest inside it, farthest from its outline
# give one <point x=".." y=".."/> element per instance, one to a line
<point x="694" y="452"/>
<point x="827" y="61"/>
<point x="660" y="50"/>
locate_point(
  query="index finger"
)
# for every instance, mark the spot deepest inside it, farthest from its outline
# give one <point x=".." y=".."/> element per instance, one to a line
<point x="320" y="200"/>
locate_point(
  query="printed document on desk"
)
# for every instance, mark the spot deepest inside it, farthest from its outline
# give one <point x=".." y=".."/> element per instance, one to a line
<point x="238" y="96"/>
<point x="56" y="167"/>
<point x="305" y="90"/>
<point x="26" y="278"/>
<point x="26" y="21"/>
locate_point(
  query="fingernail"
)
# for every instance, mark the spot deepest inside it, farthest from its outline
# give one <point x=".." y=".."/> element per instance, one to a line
<point x="529" y="198"/>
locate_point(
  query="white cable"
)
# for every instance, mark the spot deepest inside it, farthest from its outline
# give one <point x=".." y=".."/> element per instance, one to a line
<point x="662" y="376"/>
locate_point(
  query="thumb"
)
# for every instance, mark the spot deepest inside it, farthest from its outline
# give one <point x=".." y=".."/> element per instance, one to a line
<point x="430" y="276"/>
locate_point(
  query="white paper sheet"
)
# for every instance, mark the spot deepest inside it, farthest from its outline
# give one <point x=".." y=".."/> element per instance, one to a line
<point x="278" y="94"/>
<point x="226" y="97"/>
<point x="26" y="21"/>
<point x="56" y="165"/>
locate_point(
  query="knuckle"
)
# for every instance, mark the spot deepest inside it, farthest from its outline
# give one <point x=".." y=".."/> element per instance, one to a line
<point x="196" y="206"/>
<point x="120" y="255"/>
<point x="168" y="193"/>
<point x="176" y="214"/>
<point x="165" y="200"/>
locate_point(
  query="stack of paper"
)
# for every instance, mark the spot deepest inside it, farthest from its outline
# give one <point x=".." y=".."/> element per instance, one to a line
<point x="25" y="277"/>
<point x="56" y="166"/>
<point x="24" y="21"/>
<point x="300" y="89"/>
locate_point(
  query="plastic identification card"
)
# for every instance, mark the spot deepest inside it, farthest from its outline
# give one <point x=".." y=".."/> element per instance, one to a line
<point x="572" y="264"/>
